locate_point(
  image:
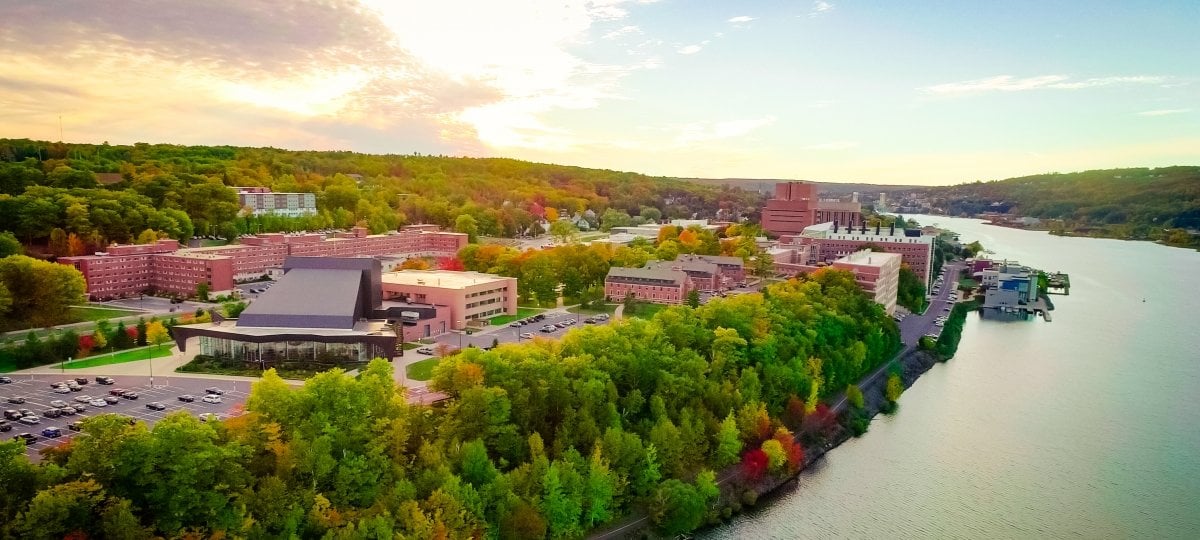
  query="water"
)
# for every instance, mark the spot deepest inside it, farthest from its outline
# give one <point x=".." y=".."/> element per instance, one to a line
<point x="1085" y="427"/>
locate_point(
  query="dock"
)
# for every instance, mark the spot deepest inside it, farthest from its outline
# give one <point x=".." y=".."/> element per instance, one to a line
<point x="1058" y="283"/>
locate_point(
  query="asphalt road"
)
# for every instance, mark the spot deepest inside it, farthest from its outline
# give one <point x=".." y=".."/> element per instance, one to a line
<point x="38" y="395"/>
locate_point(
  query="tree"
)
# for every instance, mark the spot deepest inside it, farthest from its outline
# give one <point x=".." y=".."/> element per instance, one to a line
<point x="147" y="236"/>
<point x="650" y="213"/>
<point x="855" y="396"/>
<point x="676" y="507"/>
<point x="467" y="225"/>
<point x="563" y="231"/>
<point x="40" y="293"/>
<point x="895" y="387"/>
<point x="729" y="443"/>
<point x="99" y="341"/>
<point x="75" y="245"/>
<point x="693" y="298"/>
<point x="141" y="332"/>
<point x="776" y="456"/>
<point x="9" y="245"/>
<point x="156" y="333"/>
<point x="551" y="214"/>
<point x="58" y="243"/>
<point x="202" y="291"/>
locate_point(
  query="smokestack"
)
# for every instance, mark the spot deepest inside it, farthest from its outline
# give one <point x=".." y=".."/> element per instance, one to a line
<point x="835" y="225"/>
<point x="864" y="227"/>
<point x="876" y="229"/>
<point x="892" y="232"/>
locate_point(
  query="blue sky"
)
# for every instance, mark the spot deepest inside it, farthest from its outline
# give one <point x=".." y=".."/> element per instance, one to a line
<point x="885" y="92"/>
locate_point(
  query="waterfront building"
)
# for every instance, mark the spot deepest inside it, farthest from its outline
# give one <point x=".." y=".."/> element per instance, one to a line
<point x="470" y="297"/>
<point x="656" y="285"/>
<point x="131" y="269"/>
<point x="877" y="273"/>
<point x="830" y="241"/>
<point x="261" y="200"/>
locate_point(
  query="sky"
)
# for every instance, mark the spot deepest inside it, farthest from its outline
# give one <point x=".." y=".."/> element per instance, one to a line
<point x="869" y="91"/>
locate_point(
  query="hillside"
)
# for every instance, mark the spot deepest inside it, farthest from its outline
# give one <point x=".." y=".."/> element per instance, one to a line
<point x="106" y="193"/>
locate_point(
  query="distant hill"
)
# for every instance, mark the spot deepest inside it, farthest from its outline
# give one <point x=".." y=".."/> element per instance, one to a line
<point x="767" y="185"/>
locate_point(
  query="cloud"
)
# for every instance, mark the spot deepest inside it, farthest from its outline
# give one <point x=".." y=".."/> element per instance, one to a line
<point x="741" y="19"/>
<point x="690" y="49"/>
<point x="1164" y="112"/>
<point x="1008" y="83"/>
<point x="622" y="31"/>
<point x="709" y="131"/>
<point x="820" y="7"/>
<point x="831" y="146"/>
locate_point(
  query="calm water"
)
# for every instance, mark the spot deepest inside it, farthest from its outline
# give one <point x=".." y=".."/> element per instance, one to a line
<point x="1085" y="427"/>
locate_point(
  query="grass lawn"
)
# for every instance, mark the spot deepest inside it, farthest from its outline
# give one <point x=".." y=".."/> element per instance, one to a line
<point x="505" y="319"/>
<point x="128" y="355"/>
<point x="645" y="310"/>
<point x="967" y="283"/>
<point x="608" y="308"/>
<point x="408" y="345"/>
<point x="207" y="242"/>
<point x="95" y="313"/>
<point x="422" y="370"/>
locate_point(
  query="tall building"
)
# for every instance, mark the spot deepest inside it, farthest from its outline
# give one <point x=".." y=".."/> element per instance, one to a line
<point x="469" y="296"/>
<point x="261" y="200"/>
<point x="796" y="206"/>
<point x="130" y="269"/>
<point x="877" y="273"/>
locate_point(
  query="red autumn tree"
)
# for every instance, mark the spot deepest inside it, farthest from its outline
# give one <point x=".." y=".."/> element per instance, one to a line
<point x="754" y="464"/>
<point x="450" y="263"/>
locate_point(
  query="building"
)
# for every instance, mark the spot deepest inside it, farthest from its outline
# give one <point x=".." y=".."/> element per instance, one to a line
<point x="830" y="241"/>
<point x="469" y="296"/>
<point x="795" y="206"/>
<point x="707" y="272"/>
<point x="323" y="311"/>
<point x="127" y="270"/>
<point x="261" y="200"/>
<point x="877" y="273"/>
<point x="660" y="286"/>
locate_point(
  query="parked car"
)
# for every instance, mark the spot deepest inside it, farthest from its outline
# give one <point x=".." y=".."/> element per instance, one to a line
<point x="5" y="426"/>
<point x="5" y="380"/>
<point x="52" y="433"/>
<point x="83" y="399"/>
<point x="105" y="380"/>
<point x="129" y="395"/>
<point x="30" y="420"/>
<point x="62" y="389"/>
<point x="589" y="320"/>
<point x="117" y="391"/>
<point x="517" y="324"/>
<point x="211" y="398"/>
<point x="16" y="400"/>
<point x="26" y="412"/>
<point x="98" y="403"/>
<point x="548" y="328"/>
<point x="52" y="413"/>
<point x="69" y="411"/>
<point x="214" y="390"/>
<point x="12" y="414"/>
<point x="29" y="438"/>
<point x="526" y="335"/>
<point x="81" y="380"/>
<point x="75" y="426"/>
<point x="156" y="406"/>
<point x="111" y="400"/>
<point x="58" y="404"/>
<point x="210" y="417"/>
<point x="187" y="398"/>
<point x="425" y="350"/>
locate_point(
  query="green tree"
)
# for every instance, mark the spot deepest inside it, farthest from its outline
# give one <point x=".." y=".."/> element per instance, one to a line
<point x="141" y="332"/>
<point x="147" y="236"/>
<point x="676" y="507"/>
<point x="855" y="396"/>
<point x="58" y="243"/>
<point x="729" y="443"/>
<point x="895" y="387"/>
<point x="563" y="231"/>
<point x="600" y="492"/>
<point x="202" y="291"/>
<point x="561" y="508"/>
<point x="9" y="245"/>
<point x="41" y="292"/>
<point x="120" y="338"/>
<point x="693" y="298"/>
<point x="467" y="225"/>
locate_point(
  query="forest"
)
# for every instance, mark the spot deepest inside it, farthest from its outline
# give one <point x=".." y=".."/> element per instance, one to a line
<point x="180" y="191"/>
<point x="1125" y="203"/>
<point x="546" y="439"/>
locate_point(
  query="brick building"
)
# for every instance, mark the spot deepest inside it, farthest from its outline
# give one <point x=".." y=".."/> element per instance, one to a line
<point x="469" y="296"/>
<point x="877" y="273"/>
<point x="126" y="270"/>
<point x="795" y="206"/>
<point x="828" y="242"/>
<point x="707" y="272"/>
<point x="660" y="286"/>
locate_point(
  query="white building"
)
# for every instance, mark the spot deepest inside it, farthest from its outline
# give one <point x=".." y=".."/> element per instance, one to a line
<point x="261" y="200"/>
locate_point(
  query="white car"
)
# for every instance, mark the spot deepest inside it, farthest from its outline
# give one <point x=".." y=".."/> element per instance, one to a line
<point x="211" y="398"/>
<point x="98" y="403"/>
<point x="84" y="399"/>
<point x="58" y="404"/>
<point x="62" y="390"/>
<point x="209" y="417"/>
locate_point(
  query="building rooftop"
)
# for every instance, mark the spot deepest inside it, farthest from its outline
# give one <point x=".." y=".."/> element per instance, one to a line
<point x="307" y="298"/>
<point x="446" y="279"/>
<point x="869" y="258"/>
<point x="676" y="276"/>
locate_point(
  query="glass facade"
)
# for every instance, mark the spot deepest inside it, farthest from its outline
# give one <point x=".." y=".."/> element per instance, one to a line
<point x="290" y="351"/>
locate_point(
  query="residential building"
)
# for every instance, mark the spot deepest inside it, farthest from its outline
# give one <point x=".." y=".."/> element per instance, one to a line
<point x="660" y="286"/>
<point x="471" y="297"/>
<point x="125" y="270"/>
<point x="877" y="273"/>
<point x="261" y="200"/>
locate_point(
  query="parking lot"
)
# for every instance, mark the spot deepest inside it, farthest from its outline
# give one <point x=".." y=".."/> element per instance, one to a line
<point x="38" y="394"/>
<point x="512" y="335"/>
